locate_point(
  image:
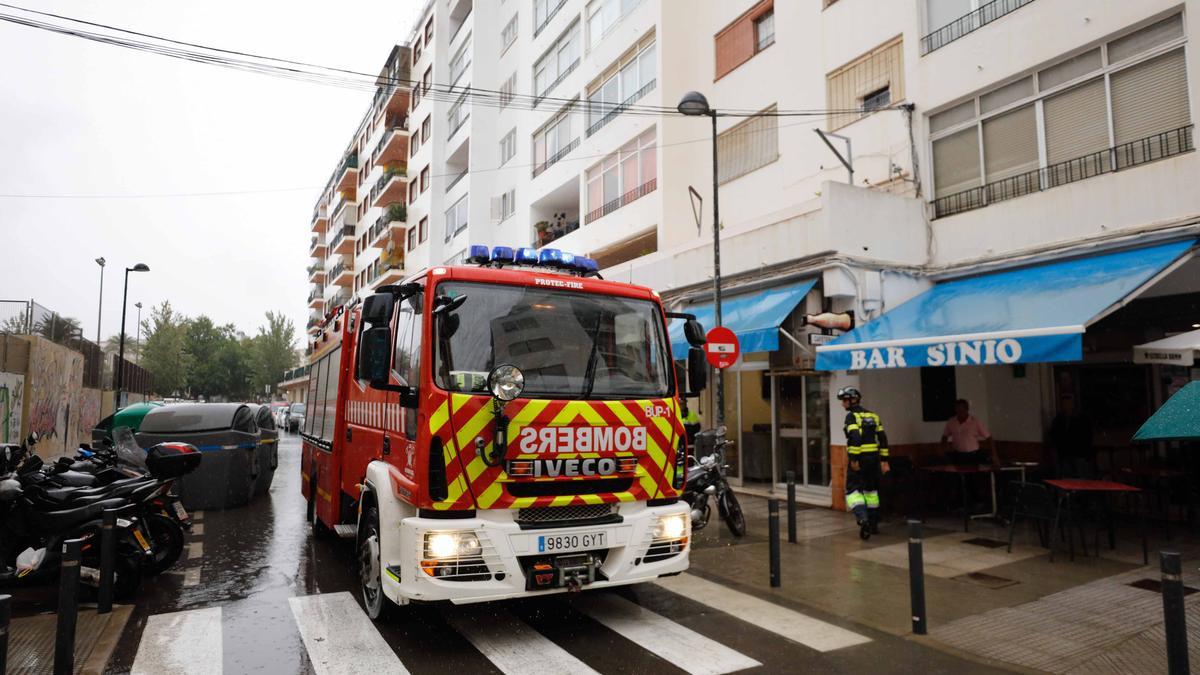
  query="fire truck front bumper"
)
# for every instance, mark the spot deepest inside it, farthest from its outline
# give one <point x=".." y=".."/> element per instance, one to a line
<point x="495" y="556"/>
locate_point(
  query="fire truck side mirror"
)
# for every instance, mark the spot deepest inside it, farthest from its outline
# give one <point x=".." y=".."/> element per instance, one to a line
<point x="377" y="309"/>
<point x="697" y="370"/>
<point x="374" y="356"/>
<point x="694" y="332"/>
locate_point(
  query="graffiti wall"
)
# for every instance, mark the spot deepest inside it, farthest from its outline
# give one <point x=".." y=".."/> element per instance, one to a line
<point x="53" y="388"/>
<point x="90" y="405"/>
<point x="12" y="398"/>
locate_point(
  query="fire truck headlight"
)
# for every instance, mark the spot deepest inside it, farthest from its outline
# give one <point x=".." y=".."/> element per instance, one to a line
<point x="455" y="544"/>
<point x="506" y="382"/>
<point x="671" y="527"/>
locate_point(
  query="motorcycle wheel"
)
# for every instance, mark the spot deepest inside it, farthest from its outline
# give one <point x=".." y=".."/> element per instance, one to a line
<point x="731" y="511"/>
<point x="166" y="536"/>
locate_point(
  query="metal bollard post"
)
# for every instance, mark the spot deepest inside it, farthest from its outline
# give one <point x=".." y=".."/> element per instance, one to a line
<point x="1175" y="621"/>
<point x="5" y="613"/>
<point x="916" y="577"/>
<point x="108" y="544"/>
<point x="68" y="607"/>
<point x="791" y="487"/>
<point x="773" y="524"/>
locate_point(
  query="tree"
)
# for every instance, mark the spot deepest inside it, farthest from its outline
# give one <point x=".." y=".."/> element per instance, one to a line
<point x="164" y="350"/>
<point x="57" y="328"/>
<point x="14" y="324"/>
<point x="204" y="341"/>
<point x="274" y="351"/>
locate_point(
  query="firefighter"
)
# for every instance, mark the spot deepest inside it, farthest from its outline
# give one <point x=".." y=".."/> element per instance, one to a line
<point x="691" y="422"/>
<point x="866" y="443"/>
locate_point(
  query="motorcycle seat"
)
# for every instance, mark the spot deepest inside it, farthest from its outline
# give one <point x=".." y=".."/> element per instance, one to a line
<point x="55" y="521"/>
<point x="86" y="495"/>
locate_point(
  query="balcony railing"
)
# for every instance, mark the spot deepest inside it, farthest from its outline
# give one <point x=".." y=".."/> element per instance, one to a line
<point x="629" y="197"/>
<point x="346" y="231"/>
<point x="315" y="243"/>
<point x="314" y="268"/>
<point x="561" y="76"/>
<point x="383" y="268"/>
<point x="340" y="298"/>
<point x="553" y="159"/>
<point x="969" y="23"/>
<point x="351" y="162"/>
<point x="302" y="370"/>
<point x="549" y="232"/>
<point x="612" y="114"/>
<point x="316" y="293"/>
<point x="387" y="176"/>
<point x="455" y="180"/>
<point x="549" y="15"/>
<point x="1124" y="156"/>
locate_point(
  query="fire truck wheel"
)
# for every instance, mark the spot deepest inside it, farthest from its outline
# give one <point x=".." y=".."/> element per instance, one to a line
<point x="320" y="530"/>
<point x="370" y="572"/>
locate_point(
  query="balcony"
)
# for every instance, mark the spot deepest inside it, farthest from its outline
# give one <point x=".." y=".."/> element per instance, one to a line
<point x="343" y="241"/>
<point x="1125" y="156"/>
<point x="320" y="219"/>
<point x="395" y="100"/>
<point x="316" y="273"/>
<point x="539" y="168"/>
<point x="316" y="299"/>
<point x="627" y="198"/>
<point x="393" y="148"/>
<point x="340" y="298"/>
<point x="348" y="173"/>
<point x="969" y="23"/>
<point x="391" y="187"/>
<point x="341" y="274"/>
<point x="389" y="227"/>
<point x="616" y="111"/>
<point x="556" y="214"/>
<point x="388" y="273"/>
<point x="316" y="247"/>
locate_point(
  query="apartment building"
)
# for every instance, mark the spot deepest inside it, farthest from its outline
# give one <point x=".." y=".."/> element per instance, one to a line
<point x="959" y="139"/>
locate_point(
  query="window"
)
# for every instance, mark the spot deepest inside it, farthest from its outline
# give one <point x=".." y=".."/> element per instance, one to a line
<point x="508" y="35"/>
<point x="406" y="362"/>
<point x="603" y="15"/>
<point x="413" y="188"/>
<point x="458" y="114"/>
<point x="1144" y="103"/>
<point x="557" y="62"/>
<point x="749" y="145"/>
<point x="507" y="89"/>
<point x="456" y="218"/>
<point x="508" y="146"/>
<point x="623" y="176"/>
<point x="543" y="11"/>
<point x="414" y="144"/>
<point x="738" y="42"/>
<point x="425" y="129"/>
<point x="412" y="238"/>
<point x="869" y="79"/>
<point x="423" y="229"/>
<point x="553" y="141"/>
<point x="460" y="61"/>
<point x="425" y="179"/>
<point x="623" y="83"/>
<point x="417" y="49"/>
<point x="949" y="20"/>
<point x="428" y="31"/>
<point x="427" y="79"/>
<point x="764" y="30"/>
<point x="504" y="206"/>
<point x="939" y="390"/>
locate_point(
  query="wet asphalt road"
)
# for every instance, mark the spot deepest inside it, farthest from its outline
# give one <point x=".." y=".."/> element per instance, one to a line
<point x="243" y="565"/>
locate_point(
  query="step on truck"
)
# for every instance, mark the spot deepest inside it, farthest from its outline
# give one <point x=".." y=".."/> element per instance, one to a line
<point x="500" y="429"/>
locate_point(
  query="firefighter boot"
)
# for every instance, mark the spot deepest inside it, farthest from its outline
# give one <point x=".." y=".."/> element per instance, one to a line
<point x="873" y="520"/>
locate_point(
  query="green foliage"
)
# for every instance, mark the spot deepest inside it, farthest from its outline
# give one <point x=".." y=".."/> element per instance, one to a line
<point x="164" y="350"/>
<point x="57" y="328"/>
<point x="275" y="351"/>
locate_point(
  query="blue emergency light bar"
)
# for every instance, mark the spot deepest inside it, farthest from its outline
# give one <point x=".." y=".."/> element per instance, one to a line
<point x="527" y="256"/>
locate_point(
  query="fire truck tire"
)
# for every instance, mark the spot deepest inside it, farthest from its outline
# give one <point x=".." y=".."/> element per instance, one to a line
<point x="319" y="529"/>
<point x="370" y="571"/>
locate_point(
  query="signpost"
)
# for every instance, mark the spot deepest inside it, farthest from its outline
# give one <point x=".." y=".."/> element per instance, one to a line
<point x="722" y="349"/>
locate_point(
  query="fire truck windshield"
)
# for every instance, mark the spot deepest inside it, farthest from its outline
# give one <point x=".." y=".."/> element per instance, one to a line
<point x="548" y="334"/>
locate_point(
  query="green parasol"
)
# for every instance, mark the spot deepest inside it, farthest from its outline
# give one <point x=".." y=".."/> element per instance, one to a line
<point x="1177" y="420"/>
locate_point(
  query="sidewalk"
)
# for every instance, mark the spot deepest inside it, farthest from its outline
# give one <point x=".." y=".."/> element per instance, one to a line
<point x="31" y="641"/>
<point x="1016" y="610"/>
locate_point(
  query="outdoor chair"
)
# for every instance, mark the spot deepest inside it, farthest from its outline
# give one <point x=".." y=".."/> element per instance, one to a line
<point x="1033" y="501"/>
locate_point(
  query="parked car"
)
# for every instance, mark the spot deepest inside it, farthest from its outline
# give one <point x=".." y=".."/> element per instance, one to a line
<point x="279" y="412"/>
<point x="295" y="417"/>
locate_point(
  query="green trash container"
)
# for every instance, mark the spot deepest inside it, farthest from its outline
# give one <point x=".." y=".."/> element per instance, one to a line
<point x="267" y="452"/>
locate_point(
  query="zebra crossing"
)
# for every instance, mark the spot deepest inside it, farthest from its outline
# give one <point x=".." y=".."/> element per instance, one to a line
<point x="339" y="637"/>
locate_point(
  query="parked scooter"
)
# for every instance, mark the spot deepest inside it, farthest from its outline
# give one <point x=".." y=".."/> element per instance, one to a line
<point x="706" y="478"/>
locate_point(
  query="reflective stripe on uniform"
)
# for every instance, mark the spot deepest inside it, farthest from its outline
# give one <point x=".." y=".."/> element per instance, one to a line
<point x="856" y="498"/>
<point x="872" y="499"/>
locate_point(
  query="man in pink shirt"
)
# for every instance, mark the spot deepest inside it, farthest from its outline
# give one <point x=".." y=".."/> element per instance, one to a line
<point x="963" y="436"/>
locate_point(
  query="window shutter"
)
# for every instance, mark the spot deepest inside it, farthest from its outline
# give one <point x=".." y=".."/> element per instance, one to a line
<point x="1076" y="122"/>
<point x="956" y="162"/>
<point x="1010" y="145"/>
<point x="1150" y="98"/>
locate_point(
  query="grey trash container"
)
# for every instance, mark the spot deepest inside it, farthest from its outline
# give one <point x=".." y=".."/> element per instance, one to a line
<point x="268" y="448"/>
<point x="227" y="435"/>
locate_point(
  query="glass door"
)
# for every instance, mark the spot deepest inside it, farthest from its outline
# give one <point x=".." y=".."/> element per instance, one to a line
<point x="801" y="428"/>
<point x="816" y="431"/>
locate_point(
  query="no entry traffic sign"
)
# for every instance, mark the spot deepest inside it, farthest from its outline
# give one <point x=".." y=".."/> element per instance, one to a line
<point x="722" y="349"/>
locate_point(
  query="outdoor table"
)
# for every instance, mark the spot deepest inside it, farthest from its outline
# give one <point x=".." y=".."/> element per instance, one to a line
<point x="1070" y="486"/>
<point x="964" y="470"/>
<point x="1159" y="479"/>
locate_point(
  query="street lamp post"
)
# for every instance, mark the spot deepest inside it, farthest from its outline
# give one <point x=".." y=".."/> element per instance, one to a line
<point x="137" y="343"/>
<point x="140" y="267"/>
<point x="100" y="306"/>
<point x="694" y="104"/>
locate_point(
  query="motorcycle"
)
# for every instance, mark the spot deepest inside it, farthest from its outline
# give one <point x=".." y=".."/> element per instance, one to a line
<point x="706" y="478"/>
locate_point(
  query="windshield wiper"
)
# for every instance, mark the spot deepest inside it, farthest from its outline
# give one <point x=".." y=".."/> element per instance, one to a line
<point x="589" y="375"/>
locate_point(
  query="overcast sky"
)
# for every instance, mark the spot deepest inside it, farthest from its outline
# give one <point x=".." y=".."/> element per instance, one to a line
<point x="82" y="118"/>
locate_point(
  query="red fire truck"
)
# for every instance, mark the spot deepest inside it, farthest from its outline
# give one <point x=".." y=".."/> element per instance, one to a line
<point x="499" y="429"/>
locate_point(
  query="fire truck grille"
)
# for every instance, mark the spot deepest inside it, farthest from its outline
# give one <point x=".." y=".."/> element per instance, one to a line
<point x="552" y="514"/>
<point x="661" y="549"/>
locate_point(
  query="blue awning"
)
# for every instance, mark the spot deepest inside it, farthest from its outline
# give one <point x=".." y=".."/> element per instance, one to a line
<point x="753" y="317"/>
<point x="1033" y="314"/>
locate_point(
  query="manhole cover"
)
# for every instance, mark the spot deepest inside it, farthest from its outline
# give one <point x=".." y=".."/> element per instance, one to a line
<point x="1155" y="586"/>
<point x="986" y="543"/>
<point x="987" y="580"/>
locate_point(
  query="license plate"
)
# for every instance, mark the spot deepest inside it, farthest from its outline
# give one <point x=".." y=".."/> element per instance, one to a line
<point x="586" y="541"/>
<point x="141" y="540"/>
<point x="180" y="511"/>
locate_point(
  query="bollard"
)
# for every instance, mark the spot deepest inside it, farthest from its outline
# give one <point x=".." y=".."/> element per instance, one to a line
<point x="68" y="607"/>
<point x="108" y="556"/>
<point x="791" y="487"/>
<point x="5" y="613"/>
<point x="916" y="577"/>
<point x="773" y="524"/>
<point x="1173" y="616"/>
